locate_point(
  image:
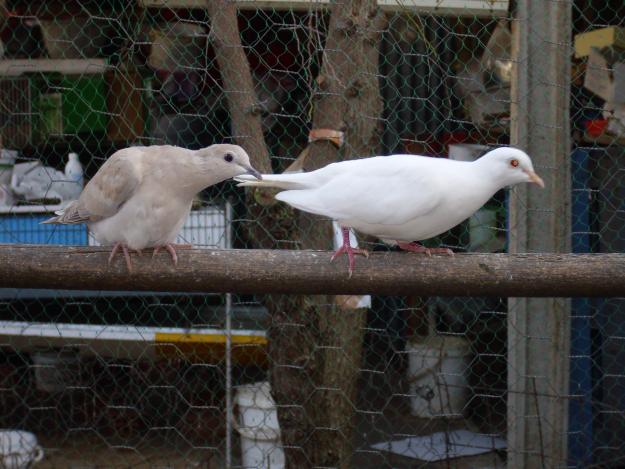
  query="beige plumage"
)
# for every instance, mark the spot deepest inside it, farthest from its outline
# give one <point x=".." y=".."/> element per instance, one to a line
<point x="141" y="196"/>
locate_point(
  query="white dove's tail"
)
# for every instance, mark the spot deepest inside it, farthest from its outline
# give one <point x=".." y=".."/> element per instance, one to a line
<point x="280" y="181"/>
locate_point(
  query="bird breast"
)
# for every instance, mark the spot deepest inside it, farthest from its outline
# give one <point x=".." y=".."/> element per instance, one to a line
<point x="144" y="222"/>
<point x="454" y="206"/>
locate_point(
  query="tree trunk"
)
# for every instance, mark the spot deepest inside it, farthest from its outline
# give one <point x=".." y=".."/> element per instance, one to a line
<point x="238" y="86"/>
<point x="347" y="100"/>
<point x="291" y="343"/>
<point x="313" y="344"/>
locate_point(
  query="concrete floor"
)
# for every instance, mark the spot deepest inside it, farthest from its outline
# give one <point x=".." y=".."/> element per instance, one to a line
<point x="383" y="414"/>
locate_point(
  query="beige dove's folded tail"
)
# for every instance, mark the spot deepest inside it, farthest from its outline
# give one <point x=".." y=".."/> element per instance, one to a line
<point x="53" y="220"/>
<point x="70" y="215"/>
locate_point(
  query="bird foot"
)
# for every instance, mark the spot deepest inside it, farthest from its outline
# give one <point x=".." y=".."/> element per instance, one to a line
<point x="171" y="249"/>
<point x="346" y="248"/>
<point x="124" y="249"/>
<point x="418" y="248"/>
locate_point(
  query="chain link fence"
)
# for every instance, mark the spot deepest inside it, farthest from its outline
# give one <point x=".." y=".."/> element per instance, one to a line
<point x="132" y="379"/>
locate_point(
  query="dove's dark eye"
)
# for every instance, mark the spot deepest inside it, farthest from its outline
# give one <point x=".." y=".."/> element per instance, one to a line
<point x="229" y="157"/>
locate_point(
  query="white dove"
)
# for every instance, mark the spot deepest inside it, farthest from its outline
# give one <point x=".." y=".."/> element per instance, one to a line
<point x="141" y="196"/>
<point x="400" y="199"/>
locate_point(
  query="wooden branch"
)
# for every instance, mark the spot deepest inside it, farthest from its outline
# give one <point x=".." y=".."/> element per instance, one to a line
<point x="311" y="272"/>
<point x="238" y="86"/>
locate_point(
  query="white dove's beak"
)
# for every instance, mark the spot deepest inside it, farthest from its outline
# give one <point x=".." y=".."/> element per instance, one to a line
<point x="535" y="178"/>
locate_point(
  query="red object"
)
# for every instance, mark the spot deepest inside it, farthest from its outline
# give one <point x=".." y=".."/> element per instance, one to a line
<point x="596" y="127"/>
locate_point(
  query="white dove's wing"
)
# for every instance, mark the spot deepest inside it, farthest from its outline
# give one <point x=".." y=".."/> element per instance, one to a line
<point x="113" y="184"/>
<point x="386" y="190"/>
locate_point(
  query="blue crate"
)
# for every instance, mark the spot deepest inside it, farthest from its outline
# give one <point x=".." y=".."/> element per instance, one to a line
<point x="25" y="229"/>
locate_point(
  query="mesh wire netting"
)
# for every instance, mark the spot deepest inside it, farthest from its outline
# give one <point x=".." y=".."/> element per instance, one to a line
<point x="131" y="379"/>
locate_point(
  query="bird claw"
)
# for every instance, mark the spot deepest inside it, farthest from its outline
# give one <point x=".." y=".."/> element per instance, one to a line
<point x="350" y="251"/>
<point x="418" y="248"/>
<point x="171" y="249"/>
<point x="124" y="249"/>
<point x="172" y="253"/>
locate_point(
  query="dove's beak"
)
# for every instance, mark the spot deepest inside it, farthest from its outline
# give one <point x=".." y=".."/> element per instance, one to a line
<point x="254" y="173"/>
<point x="535" y="178"/>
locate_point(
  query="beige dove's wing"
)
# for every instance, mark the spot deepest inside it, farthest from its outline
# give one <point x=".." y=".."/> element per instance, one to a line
<point x="110" y="188"/>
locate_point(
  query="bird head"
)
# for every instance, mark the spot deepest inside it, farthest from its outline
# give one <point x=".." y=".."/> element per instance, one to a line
<point x="228" y="160"/>
<point x="511" y="166"/>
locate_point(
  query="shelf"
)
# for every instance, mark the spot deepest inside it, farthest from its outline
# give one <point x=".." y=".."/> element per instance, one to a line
<point x="13" y="209"/>
<point x="603" y="139"/>
<point x="17" y="67"/>
<point x="479" y="8"/>
<point x="134" y="342"/>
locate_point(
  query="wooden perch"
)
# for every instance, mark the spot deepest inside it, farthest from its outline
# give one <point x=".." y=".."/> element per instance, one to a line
<point x="311" y="272"/>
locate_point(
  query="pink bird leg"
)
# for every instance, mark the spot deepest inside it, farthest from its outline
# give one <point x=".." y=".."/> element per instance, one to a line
<point x="347" y="248"/>
<point x="416" y="247"/>
<point x="171" y="249"/>
<point x="124" y="249"/>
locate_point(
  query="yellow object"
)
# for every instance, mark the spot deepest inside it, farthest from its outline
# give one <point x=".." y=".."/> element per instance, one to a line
<point x="211" y="348"/>
<point x="238" y="339"/>
<point x="612" y="36"/>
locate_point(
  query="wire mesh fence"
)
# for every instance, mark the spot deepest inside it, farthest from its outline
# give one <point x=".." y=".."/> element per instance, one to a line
<point x="161" y="379"/>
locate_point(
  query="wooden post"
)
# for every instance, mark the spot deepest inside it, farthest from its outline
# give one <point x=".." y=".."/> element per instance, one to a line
<point x="349" y="101"/>
<point x="311" y="272"/>
<point x="272" y="227"/>
<point x="540" y="221"/>
<point x="238" y="86"/>
<point x="346" y="99"/>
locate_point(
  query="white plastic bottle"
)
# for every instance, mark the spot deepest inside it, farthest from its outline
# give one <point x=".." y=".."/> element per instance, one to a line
<point x="73" y="170"/>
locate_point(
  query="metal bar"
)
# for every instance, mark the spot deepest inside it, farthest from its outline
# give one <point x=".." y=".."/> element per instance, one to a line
<point x="580" y="409"/>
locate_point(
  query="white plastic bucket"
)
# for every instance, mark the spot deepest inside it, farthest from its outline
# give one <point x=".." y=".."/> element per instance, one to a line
<point x="437" y="372"/>
<point x="258" y="426"/>
<point x="55" y="369"/>
<point x="18" y="449"/>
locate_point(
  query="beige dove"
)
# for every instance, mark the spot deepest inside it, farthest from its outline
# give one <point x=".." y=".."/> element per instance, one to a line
<point x="141" y="196"/>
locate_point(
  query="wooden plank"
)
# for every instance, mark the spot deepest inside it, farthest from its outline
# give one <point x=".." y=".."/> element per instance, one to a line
<point x="480" y="8"/>
<point x="311" y="272"/>
<point x="540" y="221"/>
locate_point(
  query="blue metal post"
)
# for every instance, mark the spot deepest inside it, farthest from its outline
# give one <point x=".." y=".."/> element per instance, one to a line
<point x="580" y="407"/>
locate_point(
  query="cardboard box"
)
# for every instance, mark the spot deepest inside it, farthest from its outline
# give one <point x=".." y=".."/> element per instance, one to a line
<point x="125" y="106"/>
<point x="605" y="75"/>
<point x="612" y="36"/>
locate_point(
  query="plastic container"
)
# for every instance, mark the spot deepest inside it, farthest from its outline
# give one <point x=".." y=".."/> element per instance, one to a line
<point x="258" y="426"/>
<point x="55" y="370"/>
<point x="19" y="449"/>
<point x="437" y="372"/>
<point x="77" y="37"/>
<point x="73" y="170"/>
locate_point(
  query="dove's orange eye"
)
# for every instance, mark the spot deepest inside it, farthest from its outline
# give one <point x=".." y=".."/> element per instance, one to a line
<point x="514" y="163"/>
